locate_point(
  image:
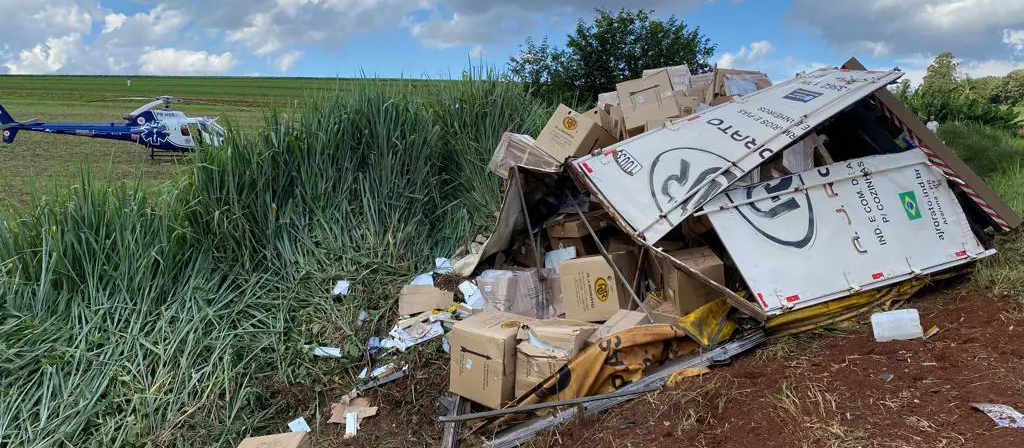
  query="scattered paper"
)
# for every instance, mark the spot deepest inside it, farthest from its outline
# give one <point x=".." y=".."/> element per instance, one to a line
<point x="327" y="352"/>
<point x="299" y="425"/>
<point x="351" y="404"/>
<point x="553" y="259"/>
<point x="474" y="298"/>
<point x="351" y="424"/>
<point x="402" y="338"/>
<point x="445" y="345"/>
<point x="1003" y="415"/>
<point x="341" y="288"/>
<point x="931" y="332"/>
<point x="362" y="316"/>
<point x="378" y="372"/>
<point x="442" y="266"/>
<point x="423" y="280"/>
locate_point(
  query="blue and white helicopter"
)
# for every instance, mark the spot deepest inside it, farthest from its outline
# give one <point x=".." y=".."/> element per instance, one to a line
<point x="155" y="126"/>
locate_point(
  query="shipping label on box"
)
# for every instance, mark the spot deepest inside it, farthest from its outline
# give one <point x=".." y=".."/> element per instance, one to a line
<point x="591" y="290"/>
<point x="647" y="99"/>
<point x="571" y="134"/>
<point x="483" y="350"/>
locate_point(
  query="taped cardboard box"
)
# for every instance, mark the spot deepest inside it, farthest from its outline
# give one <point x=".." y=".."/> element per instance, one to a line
<point x="591" y="290"/>
<point x="518" y="149"/>
<point x="483" y="352"/>
<point x="285" y="440"/>
<point x="621" y="320"/>
<point x="646" y="99"/>
<point x="515" y="291"/>
<point x="684" y="291"/>
<point x="571" y="134"/>
<point x="415" y="299"/>
<point x="678" y="75"/>
<point x="545" y="347"/>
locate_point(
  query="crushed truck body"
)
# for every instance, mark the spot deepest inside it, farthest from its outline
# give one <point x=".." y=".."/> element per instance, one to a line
<point x="681" y="222"/>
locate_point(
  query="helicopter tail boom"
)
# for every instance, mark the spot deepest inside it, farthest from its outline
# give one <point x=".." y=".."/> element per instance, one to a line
<point x="8" y="126"/>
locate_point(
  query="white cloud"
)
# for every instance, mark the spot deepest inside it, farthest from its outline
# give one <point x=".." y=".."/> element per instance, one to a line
<point x="1014" y="38"/>
<point x="170" y="61"/>
<point x="112" y="22"/>
<point x="917" y="66"/>
<point x="286" y="61"/>
<point x="477" y="52"/>
<point x="972" y="29"/>
<point x="46" y="57"/>
<point x="746" y="56"/>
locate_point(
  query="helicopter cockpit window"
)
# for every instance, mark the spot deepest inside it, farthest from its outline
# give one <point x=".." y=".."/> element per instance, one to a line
<point x="185" y="131"/>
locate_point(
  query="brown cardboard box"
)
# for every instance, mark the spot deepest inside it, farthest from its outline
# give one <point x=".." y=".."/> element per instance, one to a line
<point x="620" y="243"/>
<point x="573" y="227"/>
<point x="515" y="291"/>
<point x="285" y="440"/>
<point x="611" y="98"/>
<point x="603" y="118"/>
<point x="572" y="134"/>
<point x="621" y="320"/>
<point x="517" y="149"/>
<point x="687" y="104"/>
<point x="415" y="299"/>
<point x="616" y="122"/>
<point x="663" y="311"/>
<point x="534" y="363"/>
<point x="591" y="290"/>
<point x="552" y="284"/>
<point x="483" y="350"/>
<point x="679" y="76"/>
<point x="584" y="245"/>
<point x="646" y="99"/>
<point x="688" y="293"/>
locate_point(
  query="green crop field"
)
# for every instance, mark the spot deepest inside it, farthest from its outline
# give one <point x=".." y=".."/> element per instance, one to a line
<point x="39" y="160"/>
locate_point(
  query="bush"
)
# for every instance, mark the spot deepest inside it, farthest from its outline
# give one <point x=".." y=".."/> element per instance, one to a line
<point x="131" y="320"/>
<point x="985" y="149"/>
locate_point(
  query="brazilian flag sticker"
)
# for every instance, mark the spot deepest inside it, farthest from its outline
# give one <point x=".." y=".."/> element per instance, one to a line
<point x="909" y="201"/>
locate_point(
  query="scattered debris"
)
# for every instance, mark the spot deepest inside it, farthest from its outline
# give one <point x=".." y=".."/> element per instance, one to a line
<point x="327" y="352"/>
<point x="351" y="404"/>
<point x="299" y="425"/>
<point x="341" y="288"/>
<point x="474" y="298"/>
<point x="442" y="266"/>
<point x="887" y="377"/>
<point x="687" y="373"/>
<point x="1003" y="415"/>
<point x="415" y="299"/>
<point x="896" y="325"/>
<point x="284" y="440"/>
<point x="932" y="332"/>
<point x="351" y="424"/>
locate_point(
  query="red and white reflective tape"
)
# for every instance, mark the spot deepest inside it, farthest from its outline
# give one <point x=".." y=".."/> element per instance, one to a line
<point x="946" y="170"/>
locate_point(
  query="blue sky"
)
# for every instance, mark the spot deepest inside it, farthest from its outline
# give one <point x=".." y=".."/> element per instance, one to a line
<point x="439" y="38"/>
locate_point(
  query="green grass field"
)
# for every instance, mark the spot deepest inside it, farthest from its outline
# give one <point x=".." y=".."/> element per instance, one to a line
<point x="39" y="160"/>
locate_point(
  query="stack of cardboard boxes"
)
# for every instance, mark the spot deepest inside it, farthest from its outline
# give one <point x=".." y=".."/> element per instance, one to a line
<point x="577" y="298"/>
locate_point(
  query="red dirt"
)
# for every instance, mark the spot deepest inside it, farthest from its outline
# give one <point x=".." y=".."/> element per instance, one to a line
<point x="827" y="389"/>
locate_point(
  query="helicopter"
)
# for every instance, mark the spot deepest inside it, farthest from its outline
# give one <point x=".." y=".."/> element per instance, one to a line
<point x="155" y="126"/>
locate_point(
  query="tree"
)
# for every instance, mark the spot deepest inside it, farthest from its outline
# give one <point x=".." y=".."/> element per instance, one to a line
<point x="1011" y="91"/>
<point x="902" y="90"/>
<point x="942" y="73"/>
<point x="611" y="49"/>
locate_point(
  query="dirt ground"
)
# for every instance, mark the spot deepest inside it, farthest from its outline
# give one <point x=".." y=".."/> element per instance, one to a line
<point x="833" y="388"/>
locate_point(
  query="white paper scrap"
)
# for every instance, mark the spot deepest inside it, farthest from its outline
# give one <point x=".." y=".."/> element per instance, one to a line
<point x="442" y="266"/>
<point x="423" y="280"/>
<point x="341" y="288"/>
<point x="299" y="425"/>
<point x="1003" y="415"/>
<point x="474" y="298"/>
<point x="553" y="259"/>
<point x="327" y="352"/>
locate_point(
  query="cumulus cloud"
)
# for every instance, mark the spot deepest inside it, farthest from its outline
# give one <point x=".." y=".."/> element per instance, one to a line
<point x="746" y="56"/>
<point x="111" y="22"/>
<point x="286" y="61"/>
<point x="972" y="29"/>
<point x="1014" y="38"/>
<point x="477" y="52"/>
<point x="47" y="57"/>
<point x="170" y="61"/>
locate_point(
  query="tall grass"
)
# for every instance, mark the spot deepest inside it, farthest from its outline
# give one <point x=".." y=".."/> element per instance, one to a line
<point x="136" y="320"/>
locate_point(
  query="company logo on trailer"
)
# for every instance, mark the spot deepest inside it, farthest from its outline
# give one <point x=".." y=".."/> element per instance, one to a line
<point x="672" y="178"/>
<point x="802" y="95"/>
<point x="910" y="207"/>
<point x="786" y="219"/>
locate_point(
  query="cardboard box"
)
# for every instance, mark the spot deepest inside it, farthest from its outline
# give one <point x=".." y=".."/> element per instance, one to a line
<point x="663" y="311"/>
<point x="483" y="351"/>
<point x="285" y="440"/>
<point x="572" y="134"/>
<point x="573" y="226"/>
<point x="535" y="363"/>
<point x="646" y="99"/>
<point x="621" y="243"/>
<point x="688" y="293"/>
<point x="552" y="285"/>
<point x="515" y="291"/>
<point x="591" y="290"/>
<point x="518" y="149"/>
<point x="687" y="104"/>
<point x="678" y="75"/>
<point x="616" y="122"/>
<point x="415" y="299"/>
<point x="621" y="320"/>
<point x="603" y="118"/>
<point x="611" y="98"/>
<point x="584" y="245"/>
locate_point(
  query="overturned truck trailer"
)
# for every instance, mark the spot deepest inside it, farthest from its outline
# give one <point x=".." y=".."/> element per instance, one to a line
<point x="875" y="198"/>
